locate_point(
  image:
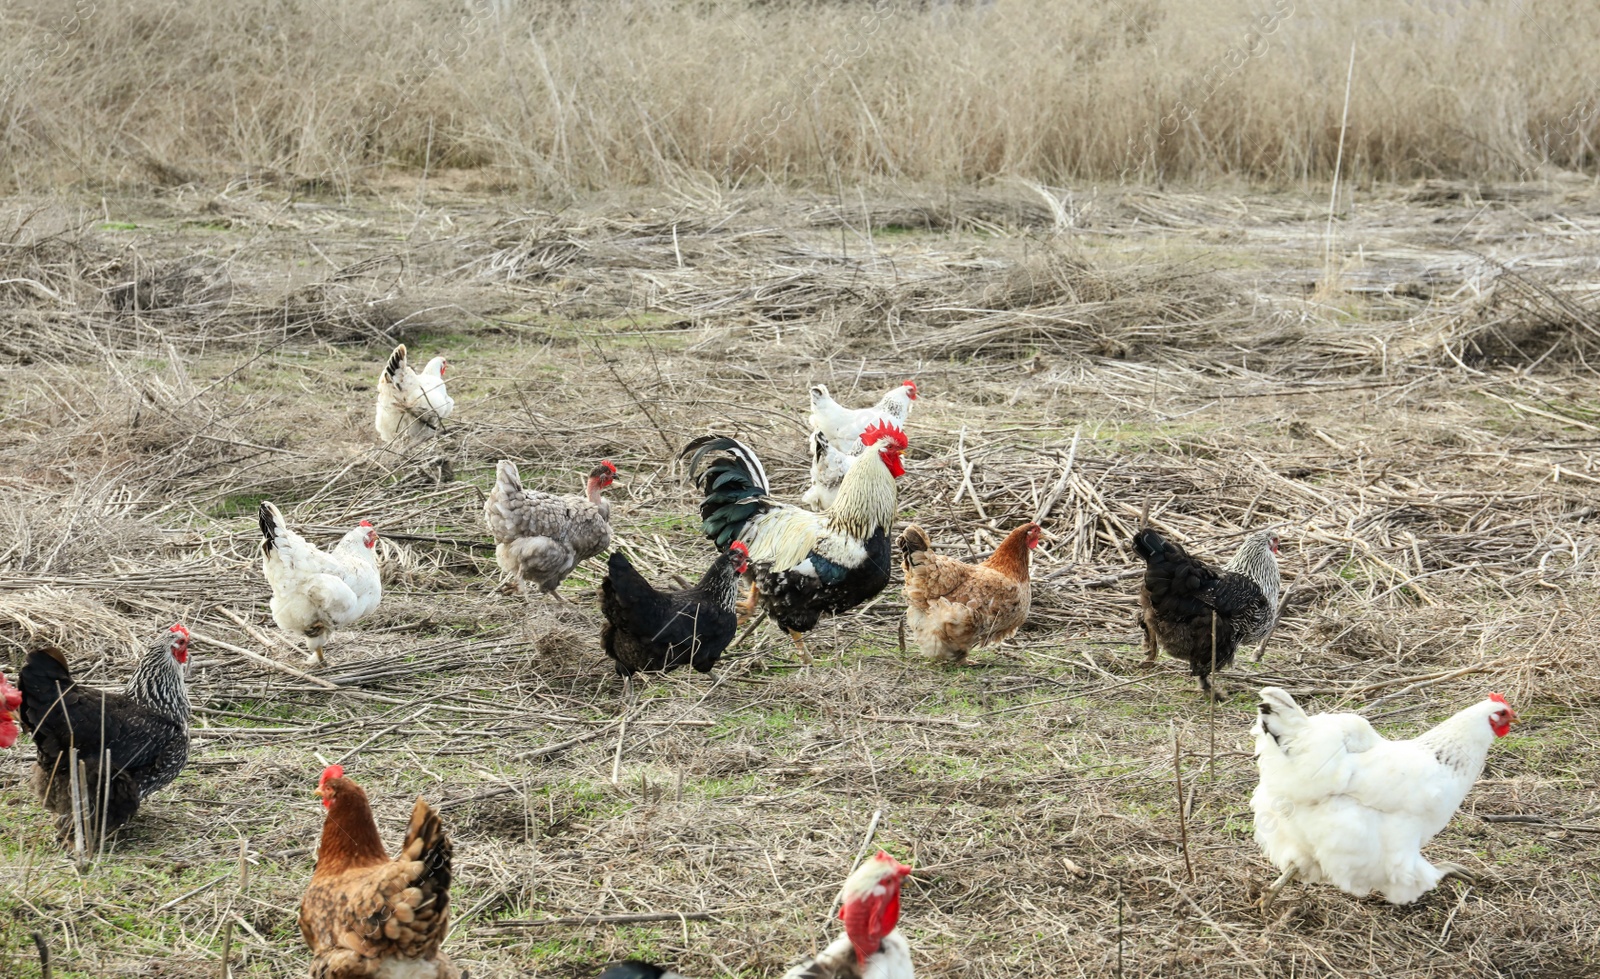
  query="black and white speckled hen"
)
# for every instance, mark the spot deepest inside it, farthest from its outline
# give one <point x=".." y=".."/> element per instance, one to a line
<point x="541" y="537"/>
<point x="145" y="730"/>
<point x="1183" y="598"/>
<point x="654" y="629"/>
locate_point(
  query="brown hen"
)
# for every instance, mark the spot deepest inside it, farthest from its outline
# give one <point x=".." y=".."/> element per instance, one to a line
<point x="952" y="606"/>
<point x="366" y="916"/>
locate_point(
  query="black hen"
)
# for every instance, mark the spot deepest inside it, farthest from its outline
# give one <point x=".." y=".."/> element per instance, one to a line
<point x="651" y="629"/>
<point x="145" y="731"/>
<point x="1183" y="595"/>
<point x="634" y="969"/>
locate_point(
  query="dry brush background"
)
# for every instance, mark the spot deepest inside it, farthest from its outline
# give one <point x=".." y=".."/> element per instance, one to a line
<point x="558" y="96"/>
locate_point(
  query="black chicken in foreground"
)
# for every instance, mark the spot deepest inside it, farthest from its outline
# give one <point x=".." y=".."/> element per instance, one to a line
<point x="652" y="629"/>
<point x="634" y="969"/>
<point x="1184" y="600"/>
<point x="145" y="730"/>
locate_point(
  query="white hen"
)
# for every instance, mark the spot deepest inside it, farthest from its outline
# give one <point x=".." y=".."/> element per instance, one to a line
<point x="843" y="426"/>
<point x="316" y="592"/>
<point x="1339" y="803"/>
<point x="412" y="405"/>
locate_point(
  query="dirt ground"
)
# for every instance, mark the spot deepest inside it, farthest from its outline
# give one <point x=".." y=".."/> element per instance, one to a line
<point x="1406" y="392"/>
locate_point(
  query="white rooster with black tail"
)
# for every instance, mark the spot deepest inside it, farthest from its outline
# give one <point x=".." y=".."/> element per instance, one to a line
<point x="1339" y="803"/>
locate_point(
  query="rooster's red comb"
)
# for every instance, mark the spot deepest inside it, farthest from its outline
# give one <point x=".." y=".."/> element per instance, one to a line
<point x="178" y="627"/>
<point x="884" y="430"/>
<point x="608" y="465"/>
<point x="740" y="546"/>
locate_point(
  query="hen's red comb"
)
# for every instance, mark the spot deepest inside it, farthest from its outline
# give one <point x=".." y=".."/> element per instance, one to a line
<point x="332" y="771"/>
<point x="607" y="463"/>
<point x="884" y="430"/>
<point x="1499" y="698"/>
<point x="179" y="629"/>
<point x="739" y="546"/>
<point x="364" y="523"/>
<point x="913" y="386"/>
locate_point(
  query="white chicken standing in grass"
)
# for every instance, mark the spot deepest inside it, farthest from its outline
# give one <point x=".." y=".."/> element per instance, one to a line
<point x="315" y="592"/>
<point x="836" y="436"/>
<point x="1339" y="803"/>
<point x="412" y="405"/>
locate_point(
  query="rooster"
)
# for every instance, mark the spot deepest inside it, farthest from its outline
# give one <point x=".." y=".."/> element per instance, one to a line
<point x="648" y="629"/>
<point x="365" y="916"/>
<point x="870" y="948"/>
<point x="315" y="592"/>
<point x="412" y="405"/>
<point x="541" y="537"/>
<point x="1199" y="613"/>
<point x="802" y="564"/>
<point x="952" y="606"/>
<point x="845" y="426"/>
<point x="1339" y="803"/>
<point x="142" y="732"/>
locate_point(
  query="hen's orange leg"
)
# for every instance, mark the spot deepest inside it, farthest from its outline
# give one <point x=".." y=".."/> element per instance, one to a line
<point x="800" y="646"/>
<point x="747" y="607"/>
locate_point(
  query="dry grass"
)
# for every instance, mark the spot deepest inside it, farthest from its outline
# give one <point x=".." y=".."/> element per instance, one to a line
<point x="1435" y="489"/>
<point x="556" y="97"/>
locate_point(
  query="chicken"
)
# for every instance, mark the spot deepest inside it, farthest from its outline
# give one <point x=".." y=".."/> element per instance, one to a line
<point x="828" y="466"/>
<point x="802" y="564"/>
<point x="541" y="537"/>
<point x="365" y="916"/>
<point x="1187" y="606"/>
<point x="1338" y="803"/>
<point x="952" y="606"/>
<point x="10" y="704"/>
<point x="143" y="732"/>
<point x="870" y="948"/>
<point x="315" y="592"/>
<point x="845" y="426"/>
<point x="634" y="969"/>
<point x="412" y="405"/>
<point x="647" y="629"/>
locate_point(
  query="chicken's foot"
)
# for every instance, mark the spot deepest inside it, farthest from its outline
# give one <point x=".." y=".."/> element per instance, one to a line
<point x="800" y="646"/>
<point x="1457" y="871"/>
<point x="1152" y="649"/>
<point x="746" y="607"/>
<point x="1271" y="893"/>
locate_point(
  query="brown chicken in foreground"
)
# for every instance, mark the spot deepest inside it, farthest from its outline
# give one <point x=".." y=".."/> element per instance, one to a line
<point x="952" y="606"/>
<point x="365" y="915"/>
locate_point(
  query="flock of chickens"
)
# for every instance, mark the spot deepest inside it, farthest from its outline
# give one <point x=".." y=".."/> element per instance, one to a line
<point x="1336" y="802"/>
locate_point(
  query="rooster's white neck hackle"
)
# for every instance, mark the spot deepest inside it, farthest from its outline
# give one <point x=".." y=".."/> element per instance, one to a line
<point x="867" y="497"/>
